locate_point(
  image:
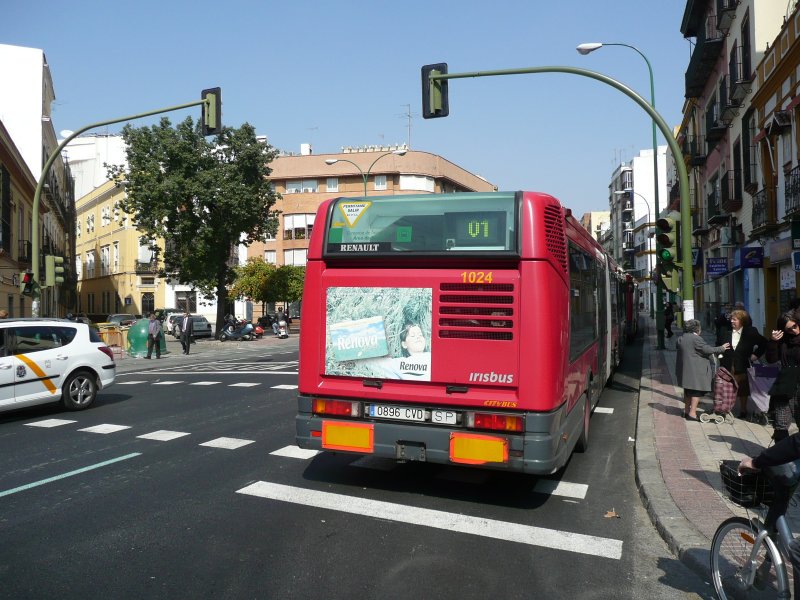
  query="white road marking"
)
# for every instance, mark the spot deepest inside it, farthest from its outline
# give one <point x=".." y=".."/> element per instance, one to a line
<point x="162" y="435"/>
<point x="284" y="387"/>
<point x="205" y="383"/>
<point x="166" y="382"/>
<point x="105" y="428"/>
<point x="227" y="443"/>
<point x="244" y="384"/>
<point x="129" y="382"/>
<point x="295" y="452"/>
<point x="50" y="423"/>
<point x="501" y="530"/>
<point x="187" y="371"/>
<point x="561" y="488"/>
<point x="604" y="410"/>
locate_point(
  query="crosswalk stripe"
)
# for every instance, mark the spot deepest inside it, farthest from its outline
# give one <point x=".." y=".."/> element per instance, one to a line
<point x="243" y="384"/>
<point x="227" y="443"/>
<point x="163" y="435"/>
<point x="205" y="383"/>
<point x="166" y="382"/>
<point x="128" y="382"/>
<point x="501" y="530"/>
<point x="295" y="452"/>
<point x="105" y="428"/>
<point x="604" y="410"/>
<point x="284" y="387"/>
<point x="561" y="488"/>
<point x="50" y="423"/>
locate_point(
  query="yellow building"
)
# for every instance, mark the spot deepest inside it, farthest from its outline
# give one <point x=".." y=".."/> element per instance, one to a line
<point x="115" y="273"/>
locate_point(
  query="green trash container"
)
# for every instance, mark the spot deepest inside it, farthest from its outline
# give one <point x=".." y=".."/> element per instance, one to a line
<point x="137" y="339"/>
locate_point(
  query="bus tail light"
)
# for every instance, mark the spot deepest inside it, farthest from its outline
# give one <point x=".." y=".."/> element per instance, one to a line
<point x="493" y="421"/>
<point x="342" y="408"/>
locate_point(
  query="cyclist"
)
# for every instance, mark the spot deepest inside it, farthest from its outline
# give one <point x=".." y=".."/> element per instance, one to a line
<point x="785" y="451"/>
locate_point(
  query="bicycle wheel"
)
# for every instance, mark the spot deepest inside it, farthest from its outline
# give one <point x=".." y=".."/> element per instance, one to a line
<point x="730" y="563"/>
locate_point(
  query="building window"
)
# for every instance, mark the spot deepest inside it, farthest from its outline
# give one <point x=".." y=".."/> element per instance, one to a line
<point x="271" y="257"/>
<point x="89" y="265"/>
<point x="115" y="258"/>
<point x="78" y="267"/>
<point x="380" y="182"/>
<point x="296" y="257"/>
<point x="418" y="183"/>
<point x="90" y="303"/>
<point x="147" y="281"/>
<point x="310" y="186"/>
<point x="148" y="303"/>
<point x="186" y="301"/>
<point x="332" y="184"/>
<point x="77" y="229"/>
<point x="105" y="260"/>
<point x="298" y="227"/>
<point x="105" y="215"/>
<point x="294" y="187"/>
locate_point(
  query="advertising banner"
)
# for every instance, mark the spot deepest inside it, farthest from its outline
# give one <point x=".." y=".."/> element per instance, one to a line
<point x="752" y="258"/>
<point x="381" y="333"/>
<point x="716" y="267"/>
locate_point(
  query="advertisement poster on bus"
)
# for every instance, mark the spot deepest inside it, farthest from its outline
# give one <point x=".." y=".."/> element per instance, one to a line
<point x="380" y="333"/>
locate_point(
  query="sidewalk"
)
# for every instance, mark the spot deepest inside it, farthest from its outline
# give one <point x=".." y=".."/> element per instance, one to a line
<point x="677" y="461"/>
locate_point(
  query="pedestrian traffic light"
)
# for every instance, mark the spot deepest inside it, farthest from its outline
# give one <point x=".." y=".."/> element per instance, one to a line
<point x="211" y="113"/>
<point x="26" y="283"/>
<point x="435" y="100"/>
<point x="53" y="270"/>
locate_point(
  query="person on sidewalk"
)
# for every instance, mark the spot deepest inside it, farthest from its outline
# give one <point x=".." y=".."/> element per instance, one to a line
<point x="783" y="395"/>
<point x="785" y="451"/>
<point x="187" y="330"/>
<point x="693" y="367"/>
<point x="669" y="317"/>
<point x="746" y="345"/>
<point x="153" y="336"/>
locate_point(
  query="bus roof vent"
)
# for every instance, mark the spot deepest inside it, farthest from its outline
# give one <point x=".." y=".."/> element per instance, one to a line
<point x="554" y="232"/>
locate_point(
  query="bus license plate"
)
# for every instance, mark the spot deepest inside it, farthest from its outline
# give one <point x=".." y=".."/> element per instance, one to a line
<point x="444" y="417"/>
<point x="398" y="413"/>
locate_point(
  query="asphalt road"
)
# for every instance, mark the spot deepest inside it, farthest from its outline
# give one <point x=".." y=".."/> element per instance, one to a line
<point x="184" y="481"/>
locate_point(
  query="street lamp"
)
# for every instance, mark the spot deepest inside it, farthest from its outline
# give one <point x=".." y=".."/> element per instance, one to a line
<point x="649" y="221"/>
<point x="364" y="176"/>
<point x="591" y="47"/>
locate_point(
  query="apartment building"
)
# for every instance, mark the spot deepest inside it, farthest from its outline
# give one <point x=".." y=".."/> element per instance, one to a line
<point x="729" y="201"/>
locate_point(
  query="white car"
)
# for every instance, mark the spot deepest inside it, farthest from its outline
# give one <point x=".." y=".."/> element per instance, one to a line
<point x="47" y="360"/>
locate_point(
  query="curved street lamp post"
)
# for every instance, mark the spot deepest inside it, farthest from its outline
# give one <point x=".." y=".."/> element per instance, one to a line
<point x="364" y="175"/>
<point x="591" y="47"/>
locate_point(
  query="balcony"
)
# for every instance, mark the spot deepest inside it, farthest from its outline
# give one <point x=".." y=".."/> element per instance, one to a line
<point x="764" y="211"/>
<point x="694" y="146"/>
<point x="731" y="192"/>
<point x="25" y="251"/>
<point x="714" y="210"/>
<point x="739" y="80"/>
<point x="706" y="52"/>
<point x="792" y="192"/>
<point x="715" y="127"/>
<point x="726" y="13"/>
<point x="729" y="108"/>
<point x="146" y="267"/>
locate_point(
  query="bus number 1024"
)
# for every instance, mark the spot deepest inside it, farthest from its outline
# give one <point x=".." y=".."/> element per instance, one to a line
<point x="477" y="277"/>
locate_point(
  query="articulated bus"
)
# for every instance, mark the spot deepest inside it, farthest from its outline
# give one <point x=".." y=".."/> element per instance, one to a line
<point x="467" y="328"/>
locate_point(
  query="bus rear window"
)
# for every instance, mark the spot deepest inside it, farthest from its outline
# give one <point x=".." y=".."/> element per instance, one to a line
<point x="424" y="224"/>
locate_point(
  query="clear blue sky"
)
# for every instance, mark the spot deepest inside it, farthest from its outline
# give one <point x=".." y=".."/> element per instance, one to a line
<point x="343" y="74"/>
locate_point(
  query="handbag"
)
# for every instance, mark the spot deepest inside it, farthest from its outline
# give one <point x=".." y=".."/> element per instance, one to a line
<point x="761" y="379"/>
<point x="786" y="383"/>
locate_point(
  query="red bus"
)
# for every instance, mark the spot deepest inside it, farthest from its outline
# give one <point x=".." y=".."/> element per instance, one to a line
<point x="466" y="328"/>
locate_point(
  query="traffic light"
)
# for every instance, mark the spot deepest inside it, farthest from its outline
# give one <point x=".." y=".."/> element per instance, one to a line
<point x="53" y="270"/>
<point x="211" y="113"/>
<point x="668" y="240"/>
<point x="435" y="100"/>
<point x="26" y="283"/>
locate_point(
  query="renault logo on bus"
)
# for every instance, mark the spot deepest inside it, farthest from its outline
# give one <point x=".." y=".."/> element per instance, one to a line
<point x="491" y="377"/>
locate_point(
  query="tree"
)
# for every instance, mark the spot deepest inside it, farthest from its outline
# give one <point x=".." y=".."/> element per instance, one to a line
<point x="286" y="284"/>
<point x="202" y="198"/>
<point x="252" y="280"/>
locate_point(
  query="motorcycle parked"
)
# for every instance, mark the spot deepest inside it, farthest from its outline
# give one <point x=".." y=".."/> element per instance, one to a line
<point x="233" y="332"/>
<point x="258" y="332"/>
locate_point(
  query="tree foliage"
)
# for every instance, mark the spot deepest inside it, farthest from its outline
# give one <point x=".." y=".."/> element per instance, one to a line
<point x="253" y="280"/>
<point x="286" y="284"/>
<point x="202" y="198"/>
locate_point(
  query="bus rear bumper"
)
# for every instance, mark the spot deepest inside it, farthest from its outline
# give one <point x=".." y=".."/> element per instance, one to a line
<point x="542" y="449"/>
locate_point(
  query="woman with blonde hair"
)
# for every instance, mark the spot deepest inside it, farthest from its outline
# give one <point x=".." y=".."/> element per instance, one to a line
<point x="746" y="346"/>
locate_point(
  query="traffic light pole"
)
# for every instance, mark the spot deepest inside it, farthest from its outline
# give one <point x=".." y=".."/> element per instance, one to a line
<point x="37" y="197"/>
<point x="435" y="96"/>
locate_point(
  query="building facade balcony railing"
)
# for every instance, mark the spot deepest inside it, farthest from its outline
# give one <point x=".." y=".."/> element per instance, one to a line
<point x="706" y="51"/>
<point x="715" y="127"/>
<point x="24" y="251"/>
<point x="146" y="267"/>
<point x="726" y="13"/>
<point x="729" y="108"/>
<point x="731" y="191"/>
<point x="764" y="211"/>
<point x="792" y="192"/>
<point x="739" y="79"/>
<point x="694" y="147"/>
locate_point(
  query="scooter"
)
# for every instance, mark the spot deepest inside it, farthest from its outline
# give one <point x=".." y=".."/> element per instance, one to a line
<point x="258" y="332"/>
<point x="240" y="333"/>
<point x="283" y="330"/>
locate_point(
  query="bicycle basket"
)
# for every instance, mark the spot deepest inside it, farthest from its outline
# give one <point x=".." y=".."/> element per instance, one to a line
<point x="748" y="489"/>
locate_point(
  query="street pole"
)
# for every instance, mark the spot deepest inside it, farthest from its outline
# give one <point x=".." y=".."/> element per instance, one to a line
<point x="364" y="176"/>
<point x="37" y="196"/>
<point x="649" y="249"/>
<point x="683" y="177"/>
<point x="586" y="49"/>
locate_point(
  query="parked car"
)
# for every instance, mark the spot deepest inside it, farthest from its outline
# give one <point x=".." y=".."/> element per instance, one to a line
<point x="47" y="360"/>
<point x="200" y="325"/>
<point x="123" y="320"/>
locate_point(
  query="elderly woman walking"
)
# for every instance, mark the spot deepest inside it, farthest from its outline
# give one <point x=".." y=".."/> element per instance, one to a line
<point x="693" y="367"/>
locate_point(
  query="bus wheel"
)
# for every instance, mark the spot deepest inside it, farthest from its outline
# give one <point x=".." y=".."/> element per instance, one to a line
<point x="582" y="444"/>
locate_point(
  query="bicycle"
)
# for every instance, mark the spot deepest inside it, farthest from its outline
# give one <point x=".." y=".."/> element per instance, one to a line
<point x="749" y="556"/>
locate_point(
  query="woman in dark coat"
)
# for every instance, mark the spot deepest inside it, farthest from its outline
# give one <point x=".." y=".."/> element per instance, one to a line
<point x="785" y="406"/>
<point x="746" y="346"/>
<point x="693" y="368"/>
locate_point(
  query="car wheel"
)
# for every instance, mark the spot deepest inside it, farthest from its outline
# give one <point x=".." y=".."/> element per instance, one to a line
<point x="79" y="390"/>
